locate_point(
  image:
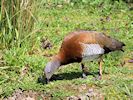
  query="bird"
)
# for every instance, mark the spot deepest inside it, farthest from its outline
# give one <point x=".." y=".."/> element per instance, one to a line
<point x="81" y="46"/>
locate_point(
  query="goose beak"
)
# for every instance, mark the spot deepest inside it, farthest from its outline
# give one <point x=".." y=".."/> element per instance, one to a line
<point x="42" y="80"/>
<point x="47" y="80"/>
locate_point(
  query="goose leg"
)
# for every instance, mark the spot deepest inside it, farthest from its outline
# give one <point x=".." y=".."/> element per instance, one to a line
<point x="100" y="69"/>
<point x="84" y="70"/>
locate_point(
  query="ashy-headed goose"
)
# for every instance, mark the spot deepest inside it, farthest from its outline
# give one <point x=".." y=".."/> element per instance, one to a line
<point x="82" y="45"/>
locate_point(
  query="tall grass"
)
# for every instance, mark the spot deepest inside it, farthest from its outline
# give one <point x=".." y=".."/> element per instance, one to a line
<point x="17" y="20"/>
<point x="17" y="17"/>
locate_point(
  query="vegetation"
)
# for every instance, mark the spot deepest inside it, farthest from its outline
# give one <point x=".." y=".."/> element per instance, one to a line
<point x="17" y="21"/>
<point x="22" y="58"/>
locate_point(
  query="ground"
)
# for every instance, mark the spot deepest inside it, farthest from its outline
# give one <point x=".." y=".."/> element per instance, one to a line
<point x="21" y="67"/>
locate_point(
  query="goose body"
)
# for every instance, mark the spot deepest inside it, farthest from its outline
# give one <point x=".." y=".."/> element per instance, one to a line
<point x="80" y="46"/>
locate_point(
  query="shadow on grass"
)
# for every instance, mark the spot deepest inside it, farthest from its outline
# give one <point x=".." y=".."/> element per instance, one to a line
<point x="71" y="75"/>
<point x="67" y="76"/>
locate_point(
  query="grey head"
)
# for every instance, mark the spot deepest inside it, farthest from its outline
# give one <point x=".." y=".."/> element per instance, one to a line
<point x="50" y="69"/>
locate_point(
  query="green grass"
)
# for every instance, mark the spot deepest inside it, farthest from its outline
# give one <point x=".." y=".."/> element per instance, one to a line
<point x="54" y="23"/>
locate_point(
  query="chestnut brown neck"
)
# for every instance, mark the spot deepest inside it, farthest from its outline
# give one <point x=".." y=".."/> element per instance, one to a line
<point x="59" y="57"/>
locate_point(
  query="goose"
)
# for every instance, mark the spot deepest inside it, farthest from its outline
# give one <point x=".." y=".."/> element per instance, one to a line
<point x="80" y="46"/>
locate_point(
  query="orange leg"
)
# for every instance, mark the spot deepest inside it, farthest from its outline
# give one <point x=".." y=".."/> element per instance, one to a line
<point x="100" y="68"/>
